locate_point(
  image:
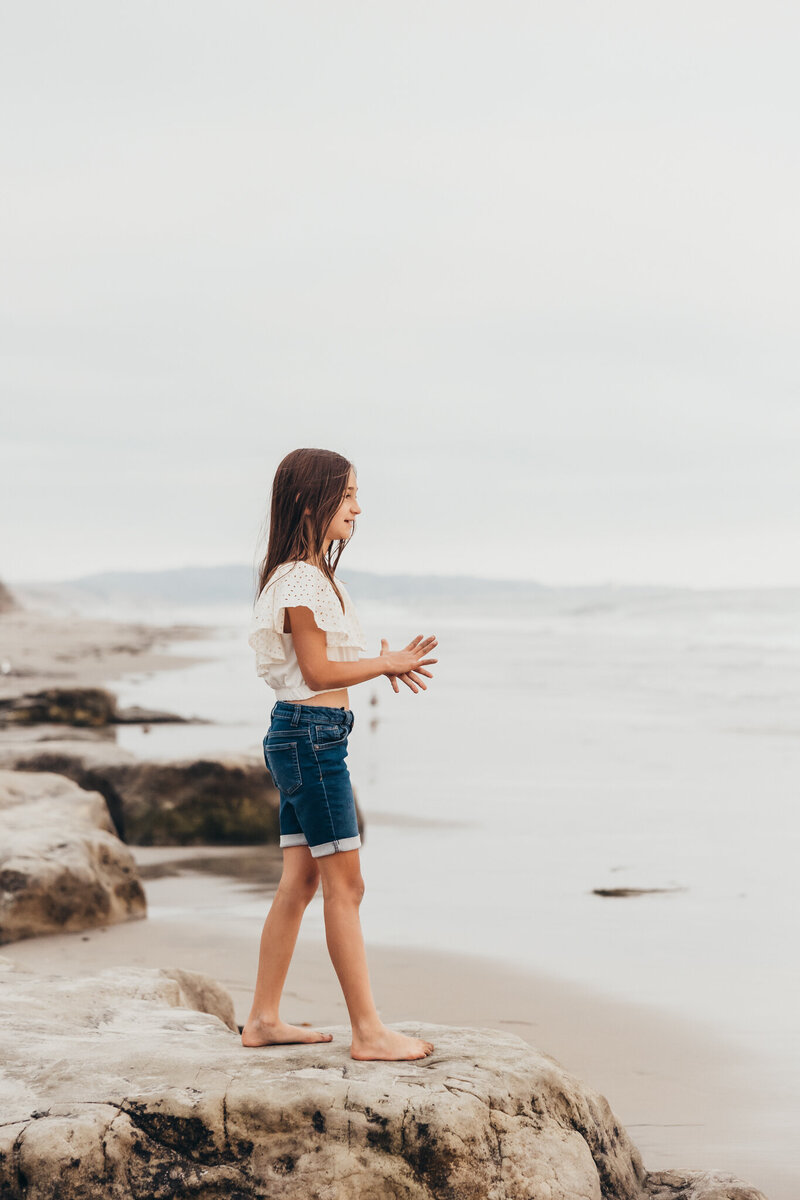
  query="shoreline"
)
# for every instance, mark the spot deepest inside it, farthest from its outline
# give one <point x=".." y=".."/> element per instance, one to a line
<point x="41" y="650"/>
<point x="689" y="1098"/>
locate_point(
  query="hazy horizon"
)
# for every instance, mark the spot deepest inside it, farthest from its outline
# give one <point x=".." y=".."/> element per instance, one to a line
<point x="244" y="570"/>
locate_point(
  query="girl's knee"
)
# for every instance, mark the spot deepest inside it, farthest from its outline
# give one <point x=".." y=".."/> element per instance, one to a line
<point x="357" y="889"/>
<point x="341" y="877"/>
<point x="350" y="890"/>
<point x="299" y="889"/>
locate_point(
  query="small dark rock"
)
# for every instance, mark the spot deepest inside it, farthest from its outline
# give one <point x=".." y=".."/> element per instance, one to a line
<point x="633" y="891"/>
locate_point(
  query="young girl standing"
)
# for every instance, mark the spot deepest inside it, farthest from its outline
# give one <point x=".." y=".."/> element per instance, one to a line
<point x="307" y="637"/>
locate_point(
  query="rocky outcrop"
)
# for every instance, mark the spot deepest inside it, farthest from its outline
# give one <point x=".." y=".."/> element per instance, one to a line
<point x="134" y="1083"/>
<point x="95" y="765"/>
<point x="217" y="801"/>
<point x="61" y="865"/>
<point x="80" y="706"/>
<point x="190" y="802"/>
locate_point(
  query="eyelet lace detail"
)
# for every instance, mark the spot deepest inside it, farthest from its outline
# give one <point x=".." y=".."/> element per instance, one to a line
<point x="300" y="583"/>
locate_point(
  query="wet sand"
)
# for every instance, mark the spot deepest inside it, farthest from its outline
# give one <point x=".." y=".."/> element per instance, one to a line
<point x="673" y="1084"/>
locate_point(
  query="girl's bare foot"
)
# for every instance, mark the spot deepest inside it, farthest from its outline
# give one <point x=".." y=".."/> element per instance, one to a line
<point x="385" y="1044"/>
<point x="271" y="1033"/>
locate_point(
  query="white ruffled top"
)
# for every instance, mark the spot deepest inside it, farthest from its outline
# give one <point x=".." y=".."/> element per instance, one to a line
<point x="300" y="583"/>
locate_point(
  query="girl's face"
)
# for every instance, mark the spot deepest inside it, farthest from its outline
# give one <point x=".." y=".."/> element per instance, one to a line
<point x="341" y="526"/>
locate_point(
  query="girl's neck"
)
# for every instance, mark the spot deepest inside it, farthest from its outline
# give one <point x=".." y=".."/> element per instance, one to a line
<point x="314" y="562"/>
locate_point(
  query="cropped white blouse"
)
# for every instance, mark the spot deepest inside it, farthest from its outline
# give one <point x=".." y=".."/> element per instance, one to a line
<point x="300" y="583"/>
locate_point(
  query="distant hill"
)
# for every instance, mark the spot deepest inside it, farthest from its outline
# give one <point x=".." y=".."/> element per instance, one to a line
<point x="235" y="583"/>
<point x="199" y="594"/>
<point x="179" y="585"/>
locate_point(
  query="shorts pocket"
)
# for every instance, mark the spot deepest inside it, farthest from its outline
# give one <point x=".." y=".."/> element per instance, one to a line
<point x="283" y="763"/>
<point x="329" y="735"/>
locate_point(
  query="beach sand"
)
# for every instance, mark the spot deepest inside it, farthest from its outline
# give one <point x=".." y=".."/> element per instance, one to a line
<point x="672" y="1084"/>
<point x="676" y="1086"/>
<point x="39" y="649"/>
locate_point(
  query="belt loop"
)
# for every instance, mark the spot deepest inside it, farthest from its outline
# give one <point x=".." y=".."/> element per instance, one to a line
<point x="296" y="714"/>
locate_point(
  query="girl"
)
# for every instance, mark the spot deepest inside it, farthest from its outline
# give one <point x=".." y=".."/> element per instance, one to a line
<point x="306" y="637"/>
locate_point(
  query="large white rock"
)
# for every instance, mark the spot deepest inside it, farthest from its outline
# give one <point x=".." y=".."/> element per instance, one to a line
<point x="134" y="1083"/>
<point x="62" y="867"/>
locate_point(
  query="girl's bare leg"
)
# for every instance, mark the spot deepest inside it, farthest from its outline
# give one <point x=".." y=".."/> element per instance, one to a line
<point x="297" y="886"/>
<point x="343" y="888"/>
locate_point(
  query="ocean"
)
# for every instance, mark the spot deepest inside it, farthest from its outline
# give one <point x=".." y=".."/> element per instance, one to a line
<point x="570" y="740"/>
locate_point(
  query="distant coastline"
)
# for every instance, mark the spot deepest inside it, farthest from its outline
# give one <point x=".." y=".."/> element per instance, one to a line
<point x="234" y="584"/>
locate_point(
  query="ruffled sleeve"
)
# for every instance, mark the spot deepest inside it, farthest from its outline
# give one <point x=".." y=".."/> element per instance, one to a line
<point x="293" y="584"/>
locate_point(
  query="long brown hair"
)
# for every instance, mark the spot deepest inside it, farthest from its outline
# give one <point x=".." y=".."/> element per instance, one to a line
<point x="313" y="479"/>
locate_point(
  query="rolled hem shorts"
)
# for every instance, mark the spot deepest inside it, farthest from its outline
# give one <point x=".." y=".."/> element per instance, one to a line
<point x="305" y="749"/>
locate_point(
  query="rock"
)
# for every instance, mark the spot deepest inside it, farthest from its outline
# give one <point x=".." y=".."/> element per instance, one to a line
<point x="61" y="865"/>
<point x="136" y="715"/>
<point x="8" y="601"/>
<point x="215" y="801"/>
<point x="63" y="706"/>
<point x="93" y="765"/>
<point x="231" y="800"/>
<point x="633" y="891"/>
<point x="134" y="1083"/>
<point x="16" y="735"/>
<point x="189" y="802"/>
<point x="698" y="1185"/>
<point x="79" y="706"/>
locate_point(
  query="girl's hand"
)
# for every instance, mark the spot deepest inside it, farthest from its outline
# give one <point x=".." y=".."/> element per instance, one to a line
<point x="409" y="664"/>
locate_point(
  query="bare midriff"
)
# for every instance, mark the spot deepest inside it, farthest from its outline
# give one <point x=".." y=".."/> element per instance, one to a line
<point x="337" y="699"/>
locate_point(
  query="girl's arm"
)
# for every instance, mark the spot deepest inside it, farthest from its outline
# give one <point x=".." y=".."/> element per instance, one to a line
<point x="322" y="675"/>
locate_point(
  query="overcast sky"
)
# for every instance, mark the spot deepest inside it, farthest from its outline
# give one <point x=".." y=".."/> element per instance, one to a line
<point x="533" y="267"/>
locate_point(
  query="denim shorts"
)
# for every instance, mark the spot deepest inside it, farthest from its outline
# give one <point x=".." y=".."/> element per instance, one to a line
<point x="305" y="750"/>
